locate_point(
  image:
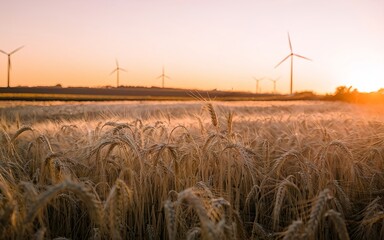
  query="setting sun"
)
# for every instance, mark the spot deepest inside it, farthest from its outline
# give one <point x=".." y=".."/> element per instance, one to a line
<point x="366" y="76"/>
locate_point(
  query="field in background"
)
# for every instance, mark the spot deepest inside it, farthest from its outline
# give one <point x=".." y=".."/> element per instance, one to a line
<point x="191" y="170"/>
<point x="137" y="93"/>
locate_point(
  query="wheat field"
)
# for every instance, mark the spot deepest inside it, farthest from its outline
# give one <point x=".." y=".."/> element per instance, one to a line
<point x="191" y="170"/>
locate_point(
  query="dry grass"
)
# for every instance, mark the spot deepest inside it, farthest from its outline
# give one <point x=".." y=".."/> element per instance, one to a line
<point x="199" y="170"/>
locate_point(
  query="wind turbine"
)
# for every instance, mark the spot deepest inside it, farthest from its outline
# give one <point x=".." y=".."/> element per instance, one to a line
<point x="291" y="55"/>
<point x="257" y="83"/>
<point x="274" y="80"/>
<point x="163" y="76"/>
<point x="117" y="70"/>
<point x="9" y="62"/>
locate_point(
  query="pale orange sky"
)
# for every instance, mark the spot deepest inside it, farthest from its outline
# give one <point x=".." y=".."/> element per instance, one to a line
<point x="201" y="44"/>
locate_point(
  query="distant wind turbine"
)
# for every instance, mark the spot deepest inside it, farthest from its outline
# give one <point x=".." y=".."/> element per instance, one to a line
<point x="274" y="80"/>
<point x="257" y="83"/>
<point x="9" y="62"/>
<point x="291" y="55"/>
<point x="163" y="76"/>
<point x="117" y="70"/>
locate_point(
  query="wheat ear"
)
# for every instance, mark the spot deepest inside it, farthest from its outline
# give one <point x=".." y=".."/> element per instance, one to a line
<point x="85" y="194"/>
<point x="116" y="206"/>
<point x="20" y="131"/>
<point x="213" y="114"/>
<point x="339" y="224"/>
<point x="317" y="212"/>
<point x="294" y="230"/>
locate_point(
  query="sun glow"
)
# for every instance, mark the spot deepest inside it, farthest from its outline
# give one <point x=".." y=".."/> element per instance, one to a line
<point x="366" y="77"/>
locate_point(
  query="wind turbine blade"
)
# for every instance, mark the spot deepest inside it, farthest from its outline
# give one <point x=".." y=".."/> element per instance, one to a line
<point x="282" y="60"/>
<point x="117" y="63"/>
<point x="17" y="49"/>
<point x="3" y="52"/>
<point x="297" y="55"/>
<point x="159" y="77"/>
<point x="113" y="71"/>
<point x="289" y="40"/>
<point x="167" y="76"/>
<point x="122" y="69"/>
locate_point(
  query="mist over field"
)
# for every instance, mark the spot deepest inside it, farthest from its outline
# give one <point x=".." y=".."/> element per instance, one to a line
<point x="191" y="170"/>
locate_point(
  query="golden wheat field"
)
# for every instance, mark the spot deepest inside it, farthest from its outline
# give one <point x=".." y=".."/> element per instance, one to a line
<point x="191" y="170"/>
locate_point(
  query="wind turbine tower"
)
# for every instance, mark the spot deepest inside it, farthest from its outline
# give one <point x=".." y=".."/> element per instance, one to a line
<point x="257" y="83"/>
<point x="117" y="70"/>
<point x="163" y="77"/>
<point x="291" y="55"/>
<point x="274" y="80"/>
<point x="9" y="62"/>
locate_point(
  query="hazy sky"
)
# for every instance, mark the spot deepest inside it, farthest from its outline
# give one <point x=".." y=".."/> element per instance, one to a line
<point x="202" y="44"/>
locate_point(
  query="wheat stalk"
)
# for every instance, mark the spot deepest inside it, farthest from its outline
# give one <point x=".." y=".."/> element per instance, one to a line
<point x="170" y="216"/>
<point x="258" y="231"/>
<point x="116" y="207"/>
<point x="194" y="233"/>
<point x="317" y="212"/>
<point x="8" y="215"/>
<point x="280" y="195"/>
<point x="339" y="224"/>
<point x="294" y="231"/>
<point x="208" y="229"/>
<point x="230" y="123"/>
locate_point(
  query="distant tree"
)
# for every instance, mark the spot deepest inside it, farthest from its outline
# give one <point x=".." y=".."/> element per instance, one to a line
<point x="343" y="90"/>
<point x="345" y="93"/>
<point x="58" y="85"/>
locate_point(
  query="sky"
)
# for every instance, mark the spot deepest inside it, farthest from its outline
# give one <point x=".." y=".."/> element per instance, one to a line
<point x="202" y="44"/>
